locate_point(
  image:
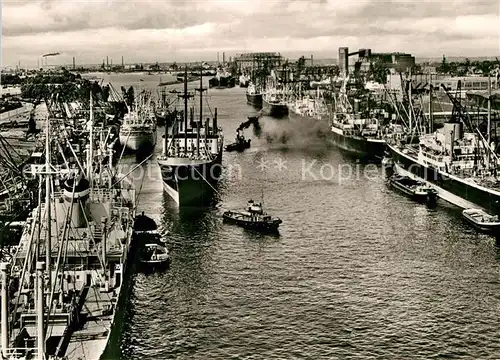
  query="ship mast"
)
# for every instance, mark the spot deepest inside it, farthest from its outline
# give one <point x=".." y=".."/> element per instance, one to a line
<point x="489" y="119"/>
<point x="47" y="199"/>
<point x="201" y="89"/>
<point x="91" y="139"/>
<point x="185" y="109"/>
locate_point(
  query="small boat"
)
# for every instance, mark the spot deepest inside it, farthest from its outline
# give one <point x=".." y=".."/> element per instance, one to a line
<point x="482" y="221"/>
<point x="154" y="255"/>
<point x="417" y="190"/>
<point x="253" y="218"/>
<point x="240" y="143"/>
<point x="152" y="249"/>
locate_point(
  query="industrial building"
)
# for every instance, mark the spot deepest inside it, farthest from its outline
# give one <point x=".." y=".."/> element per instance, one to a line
<point x="396" y="61"/>
<point x="247" y="61"/>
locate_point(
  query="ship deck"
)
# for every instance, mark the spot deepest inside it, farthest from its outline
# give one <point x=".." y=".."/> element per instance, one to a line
<point x="489" y="181"/>
<point x="183" y="161"/>
<point x="89" y="342"/>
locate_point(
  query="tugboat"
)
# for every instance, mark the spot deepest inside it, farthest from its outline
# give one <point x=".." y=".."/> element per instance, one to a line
<point x="240" y="143"/>
<point x="417" y="190"/>
<point x="482" y="221"/>
<point x="253" y="218"/>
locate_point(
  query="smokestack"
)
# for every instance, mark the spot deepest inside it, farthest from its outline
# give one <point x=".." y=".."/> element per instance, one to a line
<point x="107" y="61"/>
<point x="218" y="58"/>
<point x="312" y="61"/>
<point x="123" y="67"/>
<point x="223" y="57"/>
<point x="215" y="122"/>
<point x="74" y="63"/>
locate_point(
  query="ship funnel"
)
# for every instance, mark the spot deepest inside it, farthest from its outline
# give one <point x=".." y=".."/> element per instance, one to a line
<point x="215" y="122"/>
<point x="77" y="199"/>
<point x="452" y="132"/>
<point x="356" y="106"/>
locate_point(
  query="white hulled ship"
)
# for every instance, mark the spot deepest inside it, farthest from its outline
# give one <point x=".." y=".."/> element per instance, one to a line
<point x="138" y="129"/>
<point x="64" y="289"/>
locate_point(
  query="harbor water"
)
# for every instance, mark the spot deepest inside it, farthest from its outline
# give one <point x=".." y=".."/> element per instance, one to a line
<point x="358" y="271"/>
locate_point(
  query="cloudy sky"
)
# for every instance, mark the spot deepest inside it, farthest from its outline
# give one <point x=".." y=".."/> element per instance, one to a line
<point x="182" y="30"/>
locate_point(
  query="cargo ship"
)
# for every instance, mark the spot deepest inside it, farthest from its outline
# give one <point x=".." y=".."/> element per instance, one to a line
<point x="254" y="95"/>
<point x="274" y="103"/>
<point x="222" y="79"/>
<point x="244" y="80"/>
<point x="353" y="133"/>
<point x="192" y="155"/>
<point x="64" y="290"/>
<point x="458" y="164"/>
<point x="308" y="107"/>
<point x="457" y="160"/>
<point x="138" y="129"/>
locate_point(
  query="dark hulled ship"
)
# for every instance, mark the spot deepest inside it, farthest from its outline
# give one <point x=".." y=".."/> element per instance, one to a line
<point x="254" y="95"/>
<point x="192" y="155"/>
<point x="275" y="98"/>
<point x="221" y="80"/>
<point x="454" y="164"/>
<point x="273" y="104"/>
<point x="353" y="133"/>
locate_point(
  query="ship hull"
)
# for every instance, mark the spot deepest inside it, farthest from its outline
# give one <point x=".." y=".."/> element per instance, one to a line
<point x="112" y="349"/>
<point x="274" y="109"/>
<point x="262" y="226"/>
<point x="363" y="148"/>
<point x="138" y="140"/>
<point x="191" y="185"/>
<point x="255" y="100"/>
<point x="450" y="188"/>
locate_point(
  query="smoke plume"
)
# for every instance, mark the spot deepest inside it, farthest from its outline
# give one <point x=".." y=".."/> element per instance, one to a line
<point x="306" y="133"/>
<point x="51" y="54"/>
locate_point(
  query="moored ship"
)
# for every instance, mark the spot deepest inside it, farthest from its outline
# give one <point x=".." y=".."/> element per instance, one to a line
<point x="222" y="79"/>
<point x="68" y="277"/>
<point x="274" y="103"/>
<point x="452" y="165"/>
<point x="244" y="80"/>
<point x="138" y="129"/>
<point x="191" y="159"/>
<point x="351" y="132"/>
<point x="307" y="107"/>
<point x="254" y="95"/>
<point x="457" y="160"/>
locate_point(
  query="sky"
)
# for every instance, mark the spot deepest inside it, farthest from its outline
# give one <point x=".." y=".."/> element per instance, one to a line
<point x="194" y="30"/>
